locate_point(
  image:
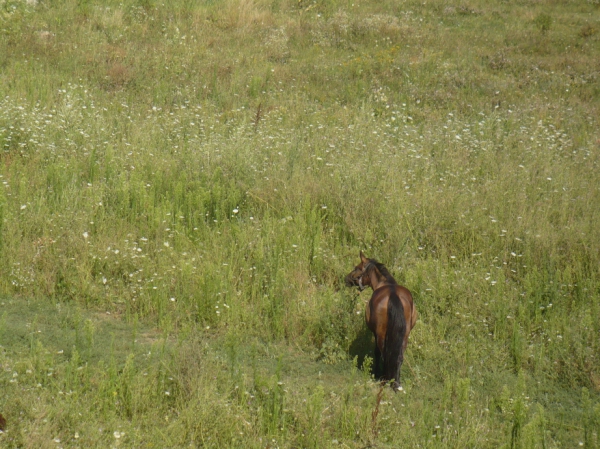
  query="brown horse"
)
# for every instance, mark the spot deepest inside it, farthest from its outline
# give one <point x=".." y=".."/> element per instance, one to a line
<point x="390" y="315"/>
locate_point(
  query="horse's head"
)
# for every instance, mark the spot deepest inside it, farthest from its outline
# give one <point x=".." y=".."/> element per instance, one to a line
<point x="357" y="278"/>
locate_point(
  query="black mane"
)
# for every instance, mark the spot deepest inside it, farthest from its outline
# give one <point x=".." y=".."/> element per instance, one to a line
<point x="383" y="270"/>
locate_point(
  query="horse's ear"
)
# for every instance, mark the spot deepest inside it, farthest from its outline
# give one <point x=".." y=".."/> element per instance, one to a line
<point x="363" y="258"/>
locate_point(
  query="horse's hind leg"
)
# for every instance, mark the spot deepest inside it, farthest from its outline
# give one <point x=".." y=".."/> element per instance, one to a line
<point x="396" y="384"/>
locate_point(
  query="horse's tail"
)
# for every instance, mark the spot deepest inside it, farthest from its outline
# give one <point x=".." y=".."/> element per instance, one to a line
<point x="394" y="336"/>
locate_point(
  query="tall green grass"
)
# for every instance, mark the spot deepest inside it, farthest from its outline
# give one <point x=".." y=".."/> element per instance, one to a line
<point x="212" y="170"/>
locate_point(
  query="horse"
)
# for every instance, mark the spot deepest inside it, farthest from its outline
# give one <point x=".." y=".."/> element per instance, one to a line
<point x="390" y="315"/>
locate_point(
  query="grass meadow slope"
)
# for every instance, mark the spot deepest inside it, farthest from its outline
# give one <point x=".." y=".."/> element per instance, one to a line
<point x="184" y="185"/>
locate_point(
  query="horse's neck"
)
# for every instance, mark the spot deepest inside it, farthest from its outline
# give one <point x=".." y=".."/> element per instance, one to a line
<point x="379" y="280"/>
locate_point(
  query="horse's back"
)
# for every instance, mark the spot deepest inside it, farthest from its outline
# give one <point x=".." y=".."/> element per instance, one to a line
<point x="377" y="308"/>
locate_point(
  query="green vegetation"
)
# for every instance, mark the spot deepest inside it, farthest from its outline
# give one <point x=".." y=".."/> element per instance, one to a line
<point x="185" y="184"/>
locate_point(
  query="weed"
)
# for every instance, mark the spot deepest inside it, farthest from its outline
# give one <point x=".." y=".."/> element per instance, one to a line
<point x="543" y="22"/>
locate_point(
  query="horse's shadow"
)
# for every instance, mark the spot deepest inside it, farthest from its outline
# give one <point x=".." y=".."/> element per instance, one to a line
<point x="362" y="346"/>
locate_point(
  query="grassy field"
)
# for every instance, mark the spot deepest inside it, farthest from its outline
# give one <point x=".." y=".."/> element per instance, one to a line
<point x="185" y="184"/>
